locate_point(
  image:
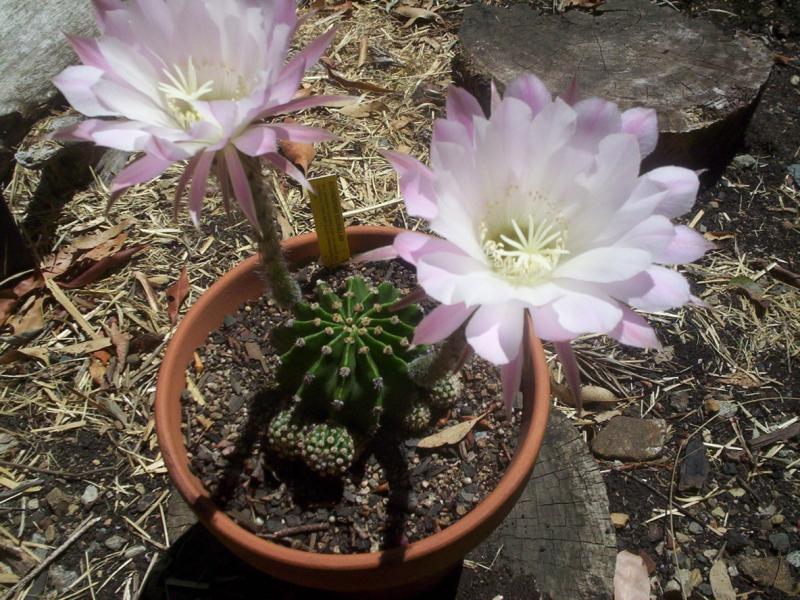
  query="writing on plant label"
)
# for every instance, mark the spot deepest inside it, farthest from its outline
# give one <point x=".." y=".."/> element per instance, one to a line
<point x="329" y="220"/>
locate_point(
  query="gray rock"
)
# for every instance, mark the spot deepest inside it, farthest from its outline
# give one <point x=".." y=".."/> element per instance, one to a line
<point x="134" y="551"/>
<point x="779" y="542"/>
<point x="115" y="542"/>
<point x="630" y="439"/>
<point x="745" y="161"/>
<point x="34" y="50"/>
<point x="60" y="577"/>
<point x="695" y="528"/>
<point x="793" y="558"/>
<point x="89" y="496"/>
<point x="58" y="501"/>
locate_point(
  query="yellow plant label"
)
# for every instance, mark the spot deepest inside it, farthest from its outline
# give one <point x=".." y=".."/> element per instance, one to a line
<point x="329" y="220"/>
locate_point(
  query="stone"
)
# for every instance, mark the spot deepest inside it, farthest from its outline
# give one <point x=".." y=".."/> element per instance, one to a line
<point x="682" y="538"/>
<point x="619" y="520"/>
<point x="58" y="501"/>
<point x="60" y="577"/>
<point x="745" y="161"/>
<point x="34" y="50"/>
<point x="794" y="79"/>
<point x="630" y="439"/>
<point x="694" y="466"/>
<point x="777" y="519"/>
<point x="115" y="542"/>
<point x="89" y="496"/>
<point x="727" y="409"/>
<point x="779" y="542"/>
<point x="770" y="571"/>
<point x="736" y="542"/>
<point x="695" y="528"/>
<point x="134" y="551"/>
<point x="793" y="558"/>
<point x="679" y="401"/>
<point x="711" y="405"/>
<point x="654" y="532"/>
<point x="689" y="580"/>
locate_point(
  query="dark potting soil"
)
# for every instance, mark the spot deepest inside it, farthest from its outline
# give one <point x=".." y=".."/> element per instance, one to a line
<point x="394" y="494"/>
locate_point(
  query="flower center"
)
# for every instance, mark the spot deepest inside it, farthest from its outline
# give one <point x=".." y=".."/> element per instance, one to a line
<point x="525" y="253"/>
<point x="208" y="82"/>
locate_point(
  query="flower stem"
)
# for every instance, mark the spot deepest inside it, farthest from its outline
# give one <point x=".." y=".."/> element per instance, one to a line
<point x="280" y="283"/>
<point x="426" y="370"/>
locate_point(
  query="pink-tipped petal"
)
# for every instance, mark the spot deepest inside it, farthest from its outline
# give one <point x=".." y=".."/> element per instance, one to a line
<point x="462" y="106"/>
<point x="633" y="330"/>
<point x="378" y="254"/>
<point x="597" y="119"/>
<point x="685" y="246"/>
<point x="299" y="104"/>
<point x="77" y="83"/>
<point x="440" y="323"/>
<point x="604" y="265"/>
<point x="301" y="133"/>
<point x="584" y="313"/>
<point x="197" y="193"/>
<point x="681" y="186"/>
<point x="309" y="55"/>
<point x="495" y="332"/>
<point x="668" y="289"/>
<point x="287" y="167"/>
<point x="530" y="90"/>
<point x="257" y="141"/>
<point x="241" y="186"/>
<point x="142" y="170"/>
<point x="643" y="123"/>
<point x="88" y="51"/>
<point x="416" y="185"/>
<point x="511" y="378"/>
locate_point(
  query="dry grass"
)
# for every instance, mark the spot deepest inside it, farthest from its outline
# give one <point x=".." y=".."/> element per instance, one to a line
<point x="59" y="403"/>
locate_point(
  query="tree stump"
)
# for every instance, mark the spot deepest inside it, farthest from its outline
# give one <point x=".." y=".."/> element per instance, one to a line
<point x="703" y="84"/>
<point x="559" y="535"/>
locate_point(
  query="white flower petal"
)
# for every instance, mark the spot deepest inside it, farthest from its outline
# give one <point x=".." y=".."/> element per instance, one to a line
<point x="495" y="332"/>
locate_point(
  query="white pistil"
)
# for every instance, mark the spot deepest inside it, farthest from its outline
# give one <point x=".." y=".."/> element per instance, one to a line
<point x="183" y="91"/>
<point x="525" y="255"/>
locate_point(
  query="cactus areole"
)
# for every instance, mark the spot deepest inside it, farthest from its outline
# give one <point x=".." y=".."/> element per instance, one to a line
<point x="336" y="408"/>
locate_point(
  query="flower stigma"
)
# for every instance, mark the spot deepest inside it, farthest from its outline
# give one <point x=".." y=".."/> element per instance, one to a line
<point x="527" y="253"/>
<point x="219" y="82"/>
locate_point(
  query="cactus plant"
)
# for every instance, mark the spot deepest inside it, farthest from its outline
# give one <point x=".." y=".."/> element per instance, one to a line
<point x="328" y="448"/>
<point x="344" y="360"/>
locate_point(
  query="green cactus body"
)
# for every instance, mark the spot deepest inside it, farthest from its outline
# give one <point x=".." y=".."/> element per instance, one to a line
<point x="345" y="357"/>
<point x="444" y="393"/>
<point x="418" y="418"/>
<point x="328" y="449"/>
<point x="286" y="433"/>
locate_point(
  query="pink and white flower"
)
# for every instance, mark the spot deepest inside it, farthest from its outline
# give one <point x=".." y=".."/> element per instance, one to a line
<point x="192" y="80"/>
<point x="541" y="207"/>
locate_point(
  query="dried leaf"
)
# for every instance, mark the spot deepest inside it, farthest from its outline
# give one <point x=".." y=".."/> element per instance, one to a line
<point x="121" y="341"/>
<point x="752" y="290"/>
<point x="107" y="248"/>
<point x="414" y="13"/>
<point x="10" y="297"/>
<point x="363" y="109"/>
<point x="714" y="236"/>
<point x="84" y="347"/>
<point x="348" y="84"/>
<point x="630" y="578"/>
<point x="363" y="49"/>
<point x="451" y="435"/>
<point x="32" y="319"/>
<point x="37" y="352"/>
<point x="300" y="154"/>
<point x="176" y="295"/>
<point x="98" y="269"/>
<point x="93" y="240"/>
<point x="720" y="582"/>
<point x="779" y="435"/>
<point x="97" y="371"/>
<point x="58" y="263"/>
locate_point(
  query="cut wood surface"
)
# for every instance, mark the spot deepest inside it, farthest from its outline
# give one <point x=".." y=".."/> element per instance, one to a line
<point x="703" y="84"/>
<point x="559" y="536"/>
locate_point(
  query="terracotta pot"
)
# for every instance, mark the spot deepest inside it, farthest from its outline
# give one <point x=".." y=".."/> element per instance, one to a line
<point x="367" y="572"/>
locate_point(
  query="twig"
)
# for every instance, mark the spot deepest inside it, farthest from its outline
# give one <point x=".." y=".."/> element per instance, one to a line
<point x="64" y="301"/>
<point x="152" y="564"/>
<point x="63" y="474"/>
<point x="89" y="522"/>
<point x="671" y="517"/>
<point x="311" y="528"/>
<point x="20" y="488"/>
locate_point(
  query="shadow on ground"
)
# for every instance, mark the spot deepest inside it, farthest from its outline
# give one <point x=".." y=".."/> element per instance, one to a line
<point x="198" y="567"/>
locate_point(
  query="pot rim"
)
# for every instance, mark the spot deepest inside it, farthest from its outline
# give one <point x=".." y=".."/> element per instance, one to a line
<point x="173" y="450"/>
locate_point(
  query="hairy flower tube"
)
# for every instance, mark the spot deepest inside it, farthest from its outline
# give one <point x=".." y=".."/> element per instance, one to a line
<point x="192" y="80"/>
<point x="540" y="207"/>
